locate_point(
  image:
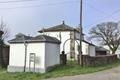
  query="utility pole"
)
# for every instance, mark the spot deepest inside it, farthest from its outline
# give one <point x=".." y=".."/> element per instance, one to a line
<point x="80" y="47"/>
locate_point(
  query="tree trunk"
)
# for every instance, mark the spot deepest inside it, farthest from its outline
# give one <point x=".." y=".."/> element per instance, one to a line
<point x="113" y="51"/>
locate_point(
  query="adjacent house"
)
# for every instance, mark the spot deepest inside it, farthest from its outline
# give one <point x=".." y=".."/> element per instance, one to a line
<point x="101" y="51"/>
<point x="33" y="54"/>
<point x="117" y="51"/>
<point x="69" y="38"/>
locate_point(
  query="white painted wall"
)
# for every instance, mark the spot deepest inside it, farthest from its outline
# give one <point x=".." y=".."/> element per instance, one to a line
<point x="52" y="56"/>
<point x="86" y="48"/>
<point x="16" y="55"/>
<point x="53" y="34"/>
<point x="92" y="50"/>
<point x="39" y="50"/>
<point x="64" y="36"/>
<point x="47" y="54"/>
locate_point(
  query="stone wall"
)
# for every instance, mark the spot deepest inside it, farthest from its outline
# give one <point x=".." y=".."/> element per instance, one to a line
<point x="98" y="60"/>
<point x="5" y="51"/>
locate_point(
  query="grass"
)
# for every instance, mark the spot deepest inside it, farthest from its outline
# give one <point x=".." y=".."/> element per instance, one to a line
<point x="69" y="70"/>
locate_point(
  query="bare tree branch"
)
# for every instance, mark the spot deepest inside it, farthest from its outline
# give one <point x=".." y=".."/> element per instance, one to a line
<point x="5" y="29"/>
<point x="108" y="33"/>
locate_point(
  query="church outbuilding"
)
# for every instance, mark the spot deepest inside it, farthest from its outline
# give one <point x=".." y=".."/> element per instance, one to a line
<point x="33" y="54"/>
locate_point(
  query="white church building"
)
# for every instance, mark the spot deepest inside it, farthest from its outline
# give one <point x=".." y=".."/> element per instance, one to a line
<point x="69" y="38"/>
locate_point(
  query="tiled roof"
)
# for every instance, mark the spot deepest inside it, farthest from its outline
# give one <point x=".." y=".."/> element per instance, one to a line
<point x="61" y="27"/>
<point x="20" y="38"/>
<point x="100" y="49"/>
<point x="39" y="38"/>
<point x="88" y="42"/>
<point x="45" y="38"/>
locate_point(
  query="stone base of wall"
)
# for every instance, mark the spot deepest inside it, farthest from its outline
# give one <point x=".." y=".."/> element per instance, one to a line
<point x="21" y="69"/>
<point x="98" y="60"/>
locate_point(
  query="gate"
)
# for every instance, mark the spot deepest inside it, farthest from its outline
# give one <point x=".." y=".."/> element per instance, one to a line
<point x="68" y="57"/>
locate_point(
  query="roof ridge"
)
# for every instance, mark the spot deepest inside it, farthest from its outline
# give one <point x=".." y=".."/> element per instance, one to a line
<point x="39" y="38"/>
<point x="60" y="27"/>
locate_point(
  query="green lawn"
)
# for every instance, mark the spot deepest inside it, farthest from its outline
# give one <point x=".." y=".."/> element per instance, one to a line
<point x="58" y="71"/>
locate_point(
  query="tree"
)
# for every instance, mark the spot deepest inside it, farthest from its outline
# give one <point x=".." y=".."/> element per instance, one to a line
<point x="5" y="29"/>
<point x="108" y="33"/>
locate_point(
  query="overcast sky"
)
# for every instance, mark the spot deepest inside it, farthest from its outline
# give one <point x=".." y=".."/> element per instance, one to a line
<point x="30" y="16"/>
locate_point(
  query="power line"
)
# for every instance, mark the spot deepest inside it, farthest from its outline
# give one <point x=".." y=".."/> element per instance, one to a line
<point x="105" y="17"/>
<point x="18" y="1"/>
<point x="52" y="4"/>
<point x="45" y="5"/>
<point x="108" y="16"/>
<point x="96" y="9"/>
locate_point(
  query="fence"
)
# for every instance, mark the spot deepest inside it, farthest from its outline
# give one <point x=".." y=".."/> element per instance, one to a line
<point x="98" y="60"/>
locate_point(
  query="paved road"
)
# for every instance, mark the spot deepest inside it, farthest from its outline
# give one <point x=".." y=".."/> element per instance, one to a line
<point x="111" y="74"/>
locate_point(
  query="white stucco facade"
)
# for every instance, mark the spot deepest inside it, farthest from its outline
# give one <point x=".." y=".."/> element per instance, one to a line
<point x="47" y="55"/>
<point x="52" y="56"/>
<point x="87" y="49"/>
<point x="64" y="36"/>
<point x="92" y="50"/>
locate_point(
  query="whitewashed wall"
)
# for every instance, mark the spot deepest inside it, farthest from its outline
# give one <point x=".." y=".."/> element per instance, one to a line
<point x="64" y="36"/>
<point x="92" y="50"/>
<point x="86" y="48"/>
<point x="16" y="55"/>
<point x="39" y="50"/>
<point x="47" y="55"/>
<point x="52" y="56"/>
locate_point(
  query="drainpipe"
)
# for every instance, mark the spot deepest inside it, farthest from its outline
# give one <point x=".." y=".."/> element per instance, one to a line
<point x="25" y="44"/>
